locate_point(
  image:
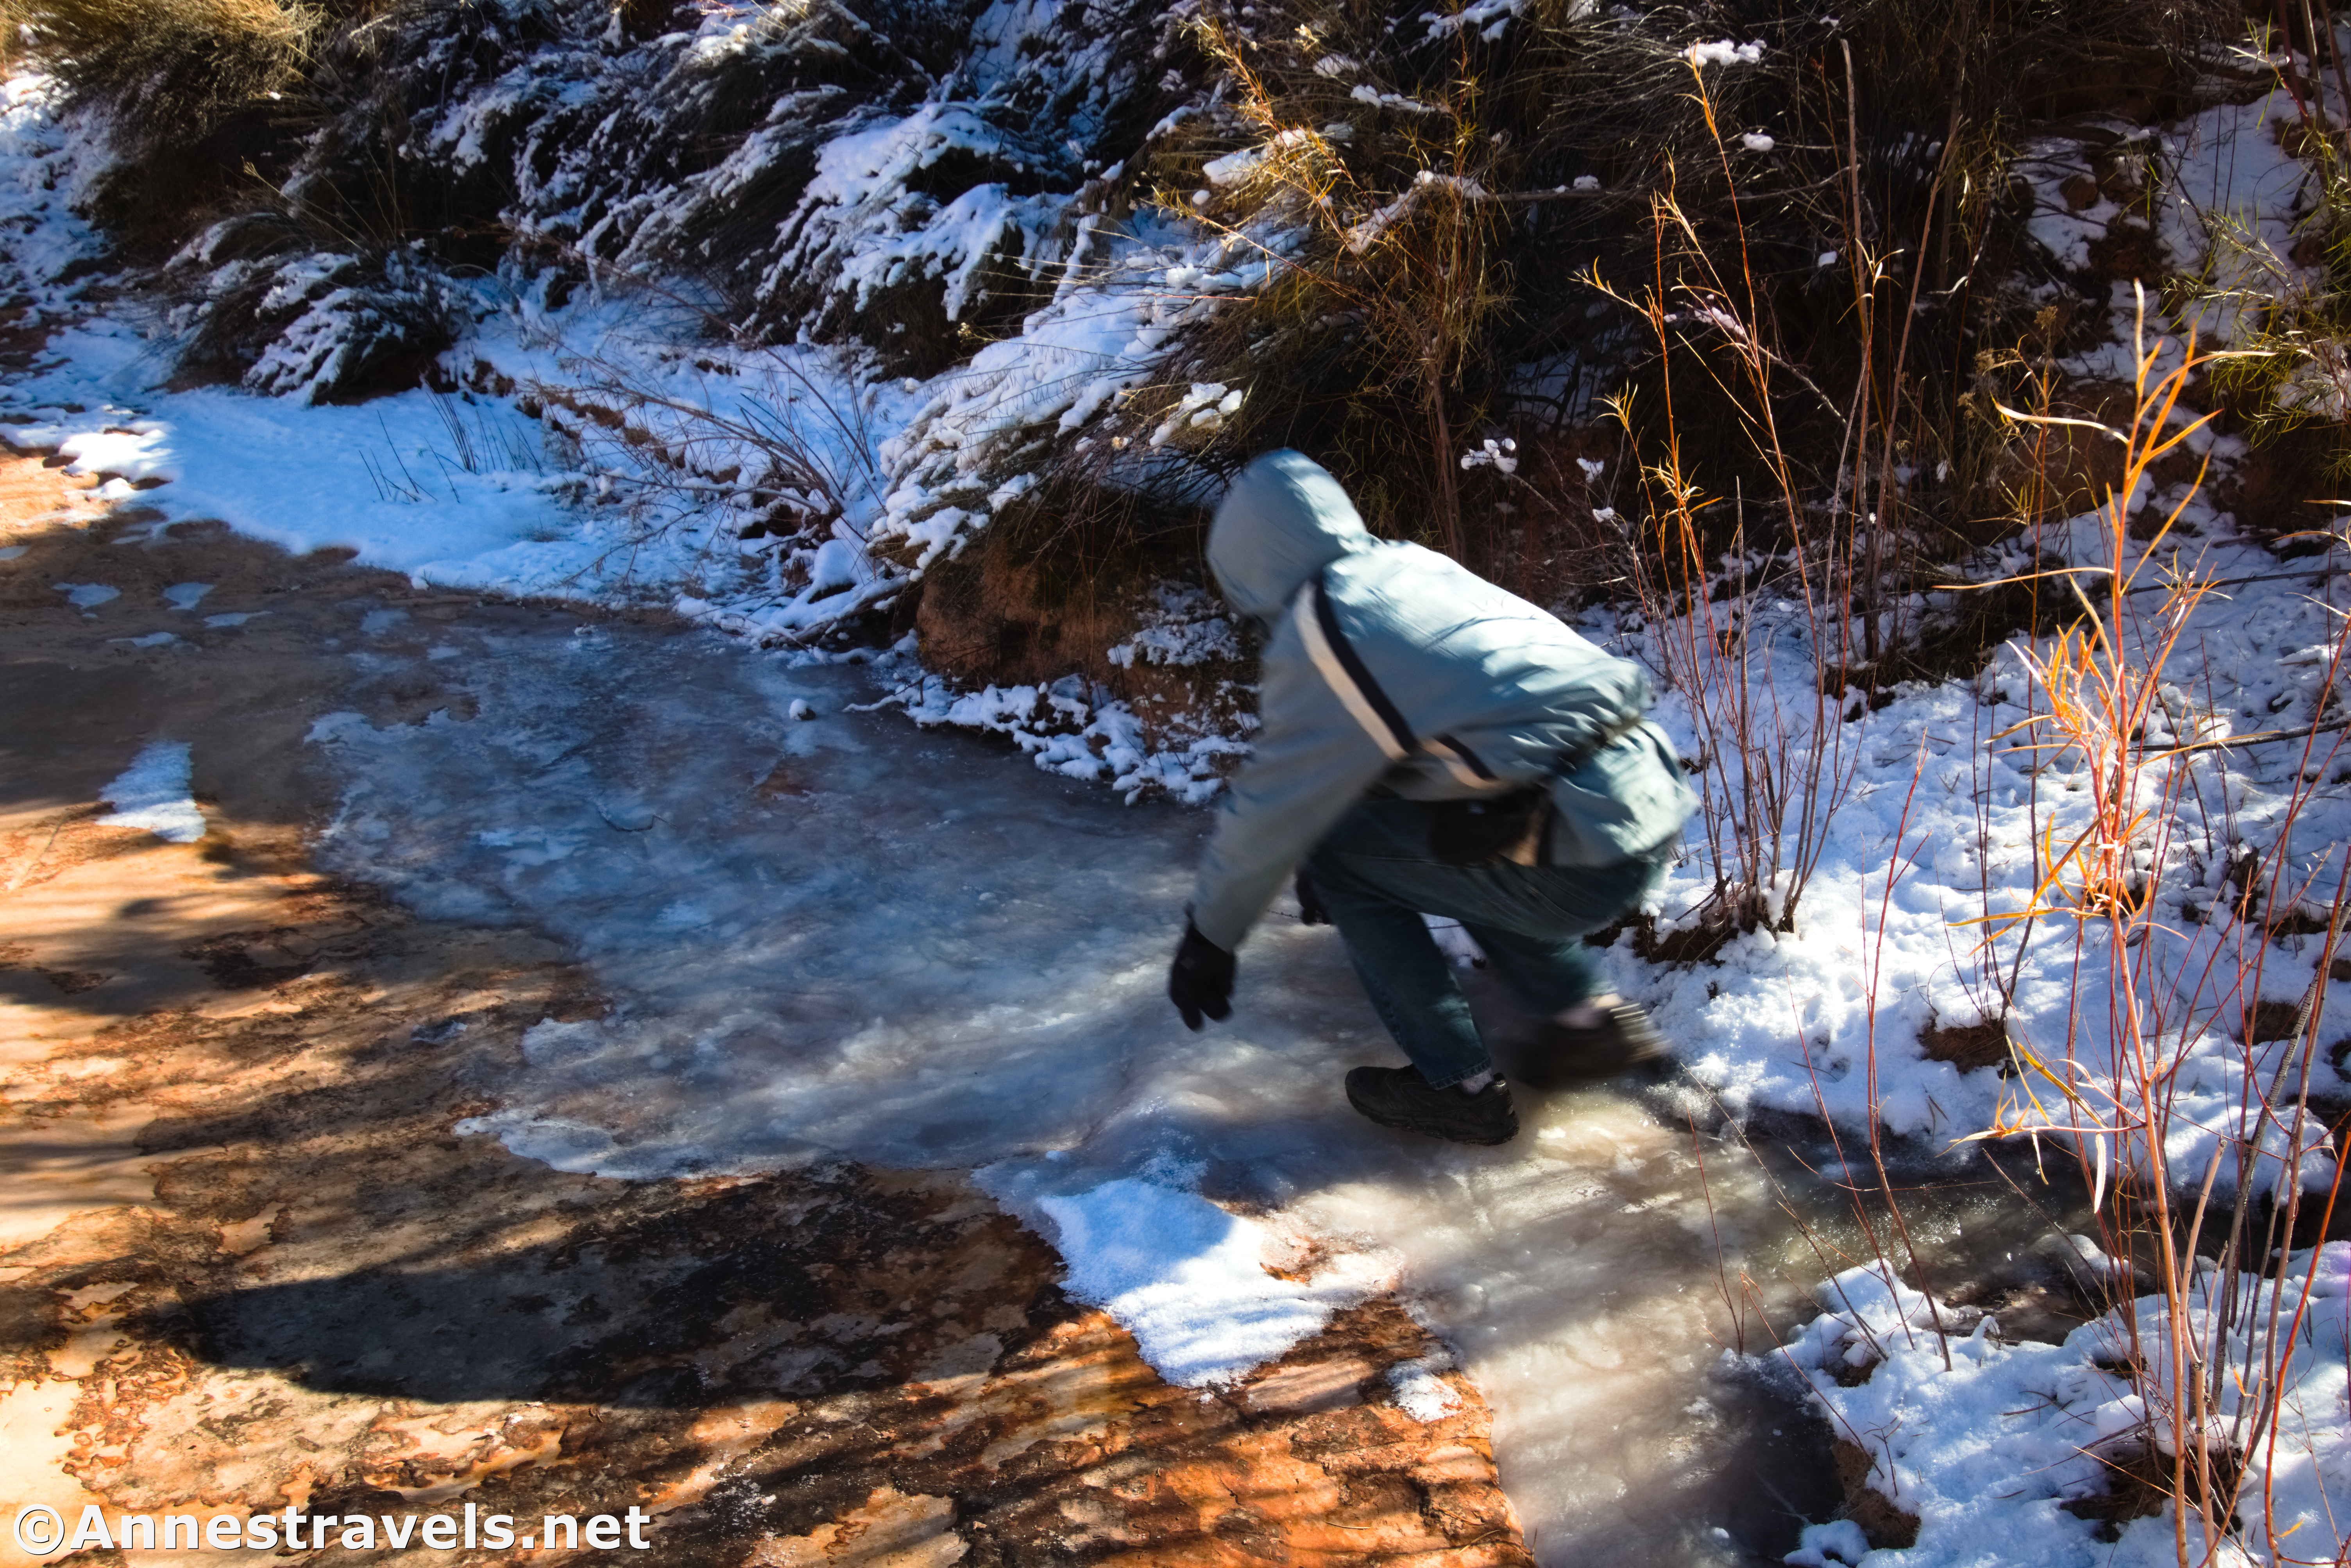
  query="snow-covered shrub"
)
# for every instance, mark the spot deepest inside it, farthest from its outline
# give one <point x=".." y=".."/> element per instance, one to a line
<point x="319" y="324"/>
<point x="1083" y="730"/>
<point x="773" y="448"/>
<point x="899" y="170"/>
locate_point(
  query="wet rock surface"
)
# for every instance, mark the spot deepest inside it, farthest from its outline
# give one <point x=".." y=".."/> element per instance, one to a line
<point x="247" y="1261"/>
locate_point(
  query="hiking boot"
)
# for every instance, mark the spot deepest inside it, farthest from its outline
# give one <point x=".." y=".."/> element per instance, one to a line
<point x="1400" y="1097"/>
<point x="1623" y="1039"/>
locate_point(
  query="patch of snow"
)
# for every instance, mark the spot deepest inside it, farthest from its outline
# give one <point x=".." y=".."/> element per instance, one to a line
<point x="1189" y="1280"/>
<point x="1985" y="1451"/>
<point x="1366" y="93"/>
<point x="1362" y="237"/>
<point x="137" y="450"/>
<point x="1500" y="456"/>
<point x="1490" y="19"/>
<point x="1839" y="1543"/>
<point x="46" y="177"/>
<point x="836" y="564"/>
<point x="153" y="793"/>
<point x="87" y="595"/>
<point x="860" y="225"/>
<point x="1184" y="625"/>
<point x="1420" y="1391"/>
<point x="1078" y="730"/>
<point x="186" y="595"/>
<point x="223" y="453"/>
<point x="1723" y="52"/>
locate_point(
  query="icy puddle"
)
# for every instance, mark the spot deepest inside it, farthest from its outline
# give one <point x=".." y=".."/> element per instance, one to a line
<point x="842" y="935"/>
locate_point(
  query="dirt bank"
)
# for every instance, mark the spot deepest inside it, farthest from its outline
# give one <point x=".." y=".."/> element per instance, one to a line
<point x="246" y="1262"/>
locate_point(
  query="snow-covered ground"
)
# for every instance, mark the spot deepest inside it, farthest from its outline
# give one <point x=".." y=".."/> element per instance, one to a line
<point x="1984" y="1442"/>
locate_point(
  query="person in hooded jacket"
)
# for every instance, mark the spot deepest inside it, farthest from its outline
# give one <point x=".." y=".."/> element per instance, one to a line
<point x="1428" y="744"/>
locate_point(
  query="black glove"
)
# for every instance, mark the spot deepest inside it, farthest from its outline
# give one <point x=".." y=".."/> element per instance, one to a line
<point x="1310" y="902"/>
<point x="1201" y="979"/>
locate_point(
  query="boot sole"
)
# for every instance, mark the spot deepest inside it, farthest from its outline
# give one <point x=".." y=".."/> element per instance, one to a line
<point x="1480" y="1137"/>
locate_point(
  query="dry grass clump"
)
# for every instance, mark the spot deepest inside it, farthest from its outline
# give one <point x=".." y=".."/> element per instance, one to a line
<point x="2289" y="378"/>
<point x="203" y="100"/>
<point x="1406" y="180"/>
<point x="170" y="69"/>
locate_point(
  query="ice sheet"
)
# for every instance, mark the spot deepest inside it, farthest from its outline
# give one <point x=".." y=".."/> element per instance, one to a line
<point x="842" y="935"/>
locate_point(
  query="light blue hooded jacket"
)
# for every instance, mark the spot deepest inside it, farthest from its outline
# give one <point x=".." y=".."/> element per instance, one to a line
<point x="1389" y="665"/>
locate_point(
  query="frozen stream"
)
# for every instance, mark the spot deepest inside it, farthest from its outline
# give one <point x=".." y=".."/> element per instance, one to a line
<point x="843" y="936"/>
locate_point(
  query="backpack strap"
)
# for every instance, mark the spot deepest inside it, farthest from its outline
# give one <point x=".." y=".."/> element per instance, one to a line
<point x="1343" y="670"/>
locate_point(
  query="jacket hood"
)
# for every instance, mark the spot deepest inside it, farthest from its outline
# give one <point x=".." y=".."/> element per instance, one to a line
<point x="1284" y="519"/>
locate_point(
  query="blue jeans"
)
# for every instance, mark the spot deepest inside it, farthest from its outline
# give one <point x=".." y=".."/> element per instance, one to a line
<point x="1377" y="877"/>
